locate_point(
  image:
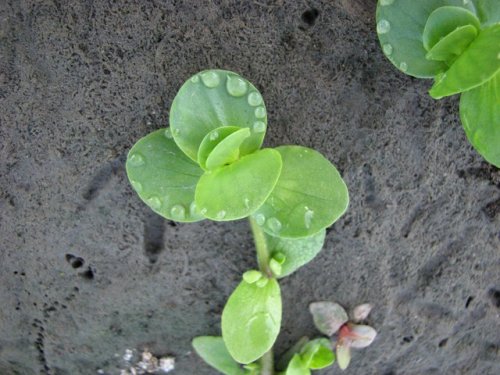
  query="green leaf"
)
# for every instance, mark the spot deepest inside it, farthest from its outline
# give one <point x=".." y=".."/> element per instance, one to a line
<point x="237" y="190"/>
<point x="215" y="98"/>
<point x="163" y="177"/>
<point x="214" y="352"/>
<point x="453" y="44"/>
<point x="480" y="114"/>
<point x="228" y="150"/>
<point x="285" y="358"/>
<point x="488" y="11"/>
<point x="251" y="320"/>
<point x="317" y="354"/>
<point x="400" y="25"/>
<point x="297" y="367"/>
<point x="477" y="65"/>
<point x="310" y="195"/>
<point x="445" y="20"/>
<point x="211" y="140"/>
<point x="297" y="251"/>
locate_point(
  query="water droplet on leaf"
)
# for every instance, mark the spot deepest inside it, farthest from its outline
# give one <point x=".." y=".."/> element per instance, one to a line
<point x="259" y="127"/>
<point x="387" y="48"/>
<point x="195" y="79"/>
<point x="274" y="224"/>
<point x="136" y="185"/>
<point x="383" y="27"/>
<point x="136" y="160"/>
<point x="221" y="215"/>
<point x="193" y="209"/>
<point x="308" y="216"/>
<point x="254" y="99"/>
<point x="260" y="112"/>
<point x="203" y="211"/>
<point x="214" y="136"/>
<point x="247" y="203"/>
<point x="154" y="202"/>
<point x="386" y="2"/>
<point x="168" y="133"/>
<point x="236" y="86"/>
<point x="210" y="79"/>
<point x="178" y="212"/>
<point x="403" y="66"/>
<point x="260" y="219"/>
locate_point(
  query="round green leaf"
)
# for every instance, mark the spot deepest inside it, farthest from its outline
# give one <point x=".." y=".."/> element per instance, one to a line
<point x="310" y="195"/>
<point x="317" y="354"/>
<point x="480" y="115"/>
<point x="164" y="177"/>
<point x="297" y="367"/>
<point x="251" y="320"/>
<point x="477" y="65"/>
<point x="215" y="98"/>
<point x="400" y="25"/>
<point x="211" y="140"/>
<point x="214" y="352"/>
<point x="228" y="150"/>
<point x="452" y="45"/>
<point x="445" y="20"/>
<point x="237" y="190"/>
<point x="297" y="251"/>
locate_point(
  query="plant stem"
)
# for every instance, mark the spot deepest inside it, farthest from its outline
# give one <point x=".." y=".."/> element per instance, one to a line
<point x="263" y="257"/>
<point x="261" y="247"/>
<point x="267" y="363"/>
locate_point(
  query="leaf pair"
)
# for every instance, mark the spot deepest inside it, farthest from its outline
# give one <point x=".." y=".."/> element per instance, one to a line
<point x="330" y="318"/>
<point x="208" y="164"/>
<point x="457" y="43"/>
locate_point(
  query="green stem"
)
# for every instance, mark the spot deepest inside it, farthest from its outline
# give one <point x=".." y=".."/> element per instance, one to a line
<point x="263" y="255"/>
<point x="267" y="363"/>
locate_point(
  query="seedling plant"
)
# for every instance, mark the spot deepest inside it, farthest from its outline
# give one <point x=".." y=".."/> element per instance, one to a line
<point x="209" y="165"/>
<point x="457" y="43"/>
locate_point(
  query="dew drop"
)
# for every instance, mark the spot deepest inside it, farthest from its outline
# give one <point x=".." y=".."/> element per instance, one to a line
<point x="203" y="211"/>
<point x="260" y="219"/>
<point x="220" y="215"/>
<point x="260" y="322"/>
<point x="136" y="185"/>
<point x="274" y="224"/>
<point x="465" y="2"/>
<point x="154" y="202"/>
<point x="236" y="86"/>
<point x="383" y="27"/>
<point x="387" y="48"/>
<point x="195" y="79"/>
<point x="260" y="112"/>
<point x="177" y="131"/>
<point x="386" y="2"/>
<point x="403" y="66"/>
<point x="210" y="79"/>
<point x="214" y="135"/>
<point x="308" y="216"/>
<point x="247" y="203"/>
<point x="168" y="133"/>
<point x="136" y="160"/>
<point x="178" y="212"/>
<point x="193" y="209"/>
<point x="254" y="99"/>
<point x="259" y="127"/>
<point x="498" y="56"/>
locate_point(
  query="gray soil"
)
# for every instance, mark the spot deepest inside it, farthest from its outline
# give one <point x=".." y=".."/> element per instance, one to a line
<point x="88" y="271"/>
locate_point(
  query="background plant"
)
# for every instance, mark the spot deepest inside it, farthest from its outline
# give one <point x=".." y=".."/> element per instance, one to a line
<point x="209" y="165"/>
<point x="457" y="43"/>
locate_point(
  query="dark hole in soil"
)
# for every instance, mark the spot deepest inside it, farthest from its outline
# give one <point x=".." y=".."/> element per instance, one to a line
<point x="443" y="342"/>
<point x="310" y="16"/>
<point x="469" y="300"/>
<point x="494" y="294"/>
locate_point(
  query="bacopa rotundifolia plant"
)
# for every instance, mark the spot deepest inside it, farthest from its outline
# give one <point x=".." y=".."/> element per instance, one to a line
<point x="209" y="164"/>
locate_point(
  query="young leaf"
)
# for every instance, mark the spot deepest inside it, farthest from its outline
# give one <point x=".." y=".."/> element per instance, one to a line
<point x="445" y="20"/>
<point x="212" y="99"/>
<point x="214" y="352"/>
<point x="237" y="190"/>
<point x="163" y="177"/>
<point x="477" y="65"/>
<point x="228" y="150"/>
<point x="251" y="320"/>
<point x="297" y="251"/>
<point x="211" y="140"/>
<point x="360" y="336"/>
<point x="480" y="115"/>
<point x="297" y="367"/>
<point x="343" y="356"/>
<point x="361" y="312"/>
<point x="400" y="25"/>
<point x="309" y="196"/>
<point x="328" y="316"/>
<point x="317" y="354"/>
<point x="452" y="45"/>
<point x="286" y="357"/>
